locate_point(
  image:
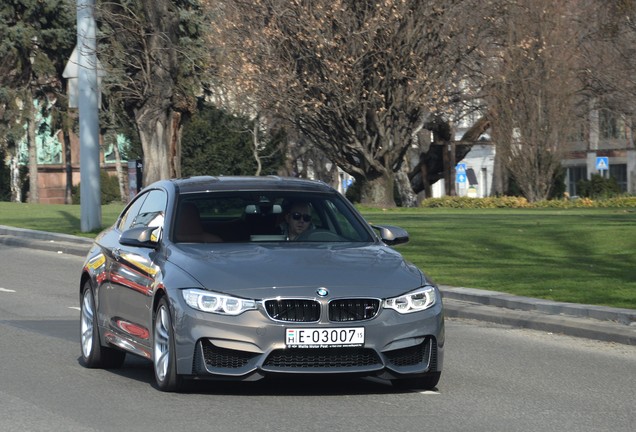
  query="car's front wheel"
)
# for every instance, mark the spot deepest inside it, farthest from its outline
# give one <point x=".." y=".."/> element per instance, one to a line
<point x="94" y="355"/>
<point x="164" y="356"/>
<point x="427" y="382"/>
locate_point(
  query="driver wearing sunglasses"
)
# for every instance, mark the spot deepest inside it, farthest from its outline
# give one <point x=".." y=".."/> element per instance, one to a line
<point x="298" y="219"/>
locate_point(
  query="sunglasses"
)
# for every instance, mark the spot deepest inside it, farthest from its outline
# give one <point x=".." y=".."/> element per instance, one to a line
<point x="298" y="216"/>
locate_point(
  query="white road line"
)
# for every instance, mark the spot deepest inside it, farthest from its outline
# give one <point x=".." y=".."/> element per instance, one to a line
<point x="6" y="290"/>
<point x="74" y="307"/>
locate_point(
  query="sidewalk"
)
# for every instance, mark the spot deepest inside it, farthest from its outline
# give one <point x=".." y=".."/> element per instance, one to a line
<point x="585" y="321"/>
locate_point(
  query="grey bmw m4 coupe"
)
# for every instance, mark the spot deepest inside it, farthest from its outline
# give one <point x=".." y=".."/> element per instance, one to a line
<point x="238" y="278"/>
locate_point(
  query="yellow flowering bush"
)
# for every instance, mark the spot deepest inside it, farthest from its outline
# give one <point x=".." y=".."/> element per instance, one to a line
<point x="521" y="202"/>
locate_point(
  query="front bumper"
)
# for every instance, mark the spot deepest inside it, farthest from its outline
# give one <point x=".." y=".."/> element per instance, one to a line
<point x="251" y="345"/>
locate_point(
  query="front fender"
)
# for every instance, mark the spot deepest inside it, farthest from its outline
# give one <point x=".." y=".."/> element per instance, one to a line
<point x="94" y="269"/>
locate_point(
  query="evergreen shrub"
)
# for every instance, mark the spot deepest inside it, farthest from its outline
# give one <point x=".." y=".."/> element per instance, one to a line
<point x="598" y="187"/>
<point x="109" y="186"/>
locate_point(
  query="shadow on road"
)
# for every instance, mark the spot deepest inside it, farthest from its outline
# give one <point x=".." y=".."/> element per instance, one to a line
<point x="138" y="369"/>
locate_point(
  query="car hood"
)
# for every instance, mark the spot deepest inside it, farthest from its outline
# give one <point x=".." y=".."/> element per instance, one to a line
<point x="264" y="271"/>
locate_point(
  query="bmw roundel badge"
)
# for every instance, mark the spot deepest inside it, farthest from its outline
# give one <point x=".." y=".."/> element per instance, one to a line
<point x="322" y="292"/>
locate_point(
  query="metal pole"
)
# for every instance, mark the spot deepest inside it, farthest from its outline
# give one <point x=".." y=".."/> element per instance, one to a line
<point x="90" y="193"/>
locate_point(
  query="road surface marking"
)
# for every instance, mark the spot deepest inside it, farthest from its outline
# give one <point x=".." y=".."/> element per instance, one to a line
<point x="74" y="307"/>
<point x="6" y="290"/>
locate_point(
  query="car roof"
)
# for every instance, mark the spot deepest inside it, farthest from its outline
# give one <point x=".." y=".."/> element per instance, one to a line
<point x="247" y="183"/>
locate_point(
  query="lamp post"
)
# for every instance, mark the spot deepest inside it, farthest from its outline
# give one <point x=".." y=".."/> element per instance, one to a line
<point x="90" y="192"/>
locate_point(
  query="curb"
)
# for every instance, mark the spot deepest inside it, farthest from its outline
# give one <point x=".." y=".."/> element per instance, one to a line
<point x="54" y="242"/>
<point x="579" y="320"/>
<point x="586" y="321"/>
<point x="508" y="301"/>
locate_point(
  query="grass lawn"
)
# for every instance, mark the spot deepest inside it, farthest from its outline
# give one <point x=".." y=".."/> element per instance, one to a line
<point x="573" y="255"/>
<point x="58" y="218"/>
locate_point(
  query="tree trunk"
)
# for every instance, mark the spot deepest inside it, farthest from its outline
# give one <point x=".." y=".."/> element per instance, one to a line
<point x="68" y="193"/>
<point x="499" y="175"/>
<point x="451" y="168"/>
<point x="257" y="157"/>
<point x="334" y="177"/>
<point x="154" y="126"/>
<point x="120" y="173"/>
<point x="378" y="191"/>
<point x="33" y="153"/>
<point x="427" y="187"/>
<point x="175" y="145"/>
<point x="407" y="197"/>
<point x="16" y="185"/>
<point x="287" y="170"/>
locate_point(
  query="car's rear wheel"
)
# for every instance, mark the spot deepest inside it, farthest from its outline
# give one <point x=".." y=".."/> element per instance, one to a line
<point x="427" y="382"/>
<point x="94" y="355"/>
<point x="164" y="356"/>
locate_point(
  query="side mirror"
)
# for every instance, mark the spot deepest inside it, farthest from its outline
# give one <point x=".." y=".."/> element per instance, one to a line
<point x="147" y="237"/>
<point x="392" y="235"/>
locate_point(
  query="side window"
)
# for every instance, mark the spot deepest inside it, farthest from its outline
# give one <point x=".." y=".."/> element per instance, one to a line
<point x="152" y="211"/>
<point x="346" y="225"/>
<point x="133" y="210"/>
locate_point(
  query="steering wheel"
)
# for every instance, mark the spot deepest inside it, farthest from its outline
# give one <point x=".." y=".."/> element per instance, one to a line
<point x="318" y="235"/>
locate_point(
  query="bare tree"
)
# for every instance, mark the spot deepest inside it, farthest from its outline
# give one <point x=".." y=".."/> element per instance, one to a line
<point x="357" y="79"/>
<point x="608" y="61"/>
<point x="534" y="91"/>
<point x="609" y="52"/>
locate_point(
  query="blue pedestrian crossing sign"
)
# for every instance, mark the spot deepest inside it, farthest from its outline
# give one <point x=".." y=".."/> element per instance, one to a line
<point x="460" y="173"/>
<point x="602" y="163"/>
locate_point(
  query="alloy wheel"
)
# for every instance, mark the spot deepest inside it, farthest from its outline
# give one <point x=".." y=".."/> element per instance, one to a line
<point x="162" y="343"/>
<point x="87" y="327"/>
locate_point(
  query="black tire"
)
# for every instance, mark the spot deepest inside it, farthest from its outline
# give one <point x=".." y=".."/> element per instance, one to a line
<point x="94" y="354"/>
<point x="427" y="382"/>
<point x="163" y="350"/>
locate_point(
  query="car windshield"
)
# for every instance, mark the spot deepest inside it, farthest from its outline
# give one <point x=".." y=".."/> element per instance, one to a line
<point x="267" y="216"/>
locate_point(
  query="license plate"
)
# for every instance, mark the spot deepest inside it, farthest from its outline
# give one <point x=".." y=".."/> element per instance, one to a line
<point x="324" y="338"/>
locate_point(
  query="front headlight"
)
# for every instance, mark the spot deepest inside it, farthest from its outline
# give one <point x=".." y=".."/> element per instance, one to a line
<point x="415" y="301"/>
<point x="208" y="301"/>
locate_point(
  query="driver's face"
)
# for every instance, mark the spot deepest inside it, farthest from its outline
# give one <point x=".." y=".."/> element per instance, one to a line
<point x="298" y="219"/>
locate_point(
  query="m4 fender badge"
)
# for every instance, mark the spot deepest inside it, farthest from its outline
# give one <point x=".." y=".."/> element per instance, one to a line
<point x="322" y="292"/>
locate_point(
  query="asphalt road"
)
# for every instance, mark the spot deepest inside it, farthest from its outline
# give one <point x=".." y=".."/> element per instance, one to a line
<point x="496" y="378"/>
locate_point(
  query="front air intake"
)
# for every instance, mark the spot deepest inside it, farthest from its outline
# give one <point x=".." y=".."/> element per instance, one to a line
<point x="346" y="310"/>
<point x="293" y="310"/>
